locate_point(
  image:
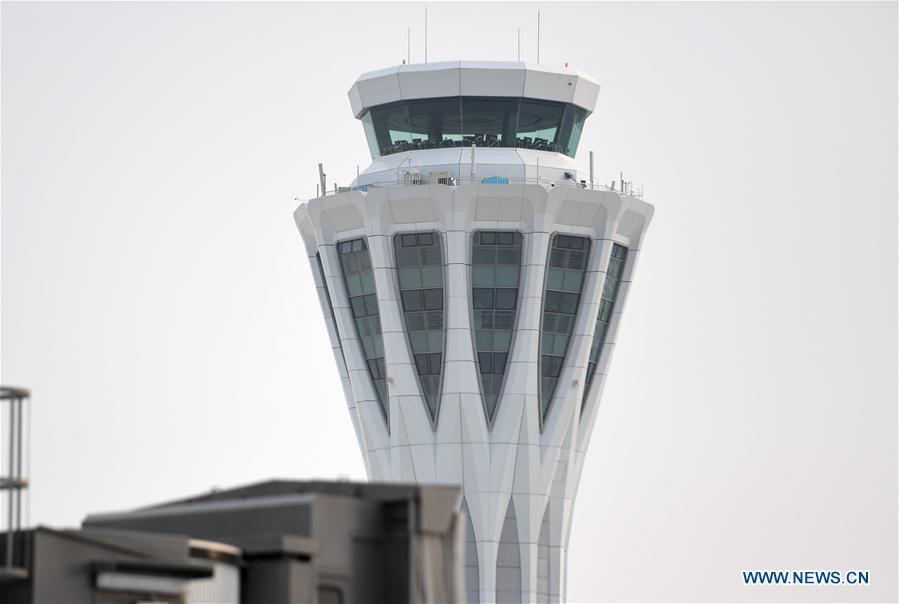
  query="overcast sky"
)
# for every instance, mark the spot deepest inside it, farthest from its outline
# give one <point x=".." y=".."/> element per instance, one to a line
<point x="156" y="297"/>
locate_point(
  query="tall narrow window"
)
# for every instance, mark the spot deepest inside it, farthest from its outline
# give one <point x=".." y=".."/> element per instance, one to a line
<point x="606" y="306"/>
<point x="495" y="273"/>
<point x="564" y="280"/>
<point x="419" y="262"/>
<point x="333" y="319"/>
<point x="360" y="284"/>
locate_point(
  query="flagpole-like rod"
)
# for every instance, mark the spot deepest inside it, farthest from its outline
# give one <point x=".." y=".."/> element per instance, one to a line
<point x="538" y="36"/>
<point x="591" y="170"/>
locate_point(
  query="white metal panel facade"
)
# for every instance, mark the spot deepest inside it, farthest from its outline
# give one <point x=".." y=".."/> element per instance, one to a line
<point x="518" y="463"/>
<point x="472" y="78"/>
<point x="520" y="460"/>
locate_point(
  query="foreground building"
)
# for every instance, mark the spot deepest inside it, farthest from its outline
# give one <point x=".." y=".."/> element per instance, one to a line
<point x="472" y="281"/>
<point x="271" y="542"/>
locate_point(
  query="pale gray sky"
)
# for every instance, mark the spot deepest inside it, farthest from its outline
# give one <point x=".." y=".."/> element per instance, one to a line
<point x="156" y="298"/>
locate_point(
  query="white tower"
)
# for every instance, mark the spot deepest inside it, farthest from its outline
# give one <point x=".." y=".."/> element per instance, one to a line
<point x="472" y="280"/>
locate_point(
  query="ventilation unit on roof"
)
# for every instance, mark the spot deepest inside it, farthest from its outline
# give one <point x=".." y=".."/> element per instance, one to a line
<point x="412" y="177"/>
<point x="441" y="178"/>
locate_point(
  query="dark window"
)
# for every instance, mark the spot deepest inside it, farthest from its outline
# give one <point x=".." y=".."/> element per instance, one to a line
<point x="505" y="298"/>
<point x="358" y="277"/>
<point x="435" y="361"/>
<point x="421" y="364"/>
<point x="485" y="360"/>
<point x="504" y="320"/>
<point x="331" y="316"/>
<point x="604" y="316"/>
<point x="483" y="297"/>
<point x="499" y="362"/>
<point x="433" y="299"/>
<point x="552" y="302"/>
<point x="420" y="124"/>
<point x="488" y="122"/>
<point x="358" y="305"/>
<point x="569" y="303"/>
<point x="561" y="298"/>
<point x="538" y="125"/>
<point x="420" y="273"/>
<point x="495" y="274"/>
<point x="412" y="299"/>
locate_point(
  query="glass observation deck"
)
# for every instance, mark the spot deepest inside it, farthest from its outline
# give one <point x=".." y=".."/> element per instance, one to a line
<point x="488" y="104"/>
<point x="483" y="121"/>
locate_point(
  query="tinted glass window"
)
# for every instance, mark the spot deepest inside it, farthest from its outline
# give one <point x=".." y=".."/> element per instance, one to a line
<point x="419" y="261"/>
<point x="561" y="298"/>
<point x="495" y="272"/>
<point x="331" y="317"/>
<point x="355" y="262"/>
<point x="421" y="124"/>
<point x="538" y="125"/>
<point x="606" y="306"/>
<point x="488" y="122"/>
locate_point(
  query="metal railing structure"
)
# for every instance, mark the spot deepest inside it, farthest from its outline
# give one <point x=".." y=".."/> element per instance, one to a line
<point x="411" y="178"/>
<point x="13" y="482"/>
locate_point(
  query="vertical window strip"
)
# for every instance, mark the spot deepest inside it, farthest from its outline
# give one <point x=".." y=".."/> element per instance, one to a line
<point x="495" y="276"/>
<point x="321" y="274"/>
<point x="419" y="263"/>
<point x="561" y="299"/>
<point x="355" y="262"/>
<point x="606" y="308"/>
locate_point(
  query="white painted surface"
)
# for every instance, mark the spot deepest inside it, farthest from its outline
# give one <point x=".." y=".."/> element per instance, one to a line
<point x="513" y="462"/>
<point x="504" y="162"/>
<point x="474" y="78"/>
<point x="223" y="587"/>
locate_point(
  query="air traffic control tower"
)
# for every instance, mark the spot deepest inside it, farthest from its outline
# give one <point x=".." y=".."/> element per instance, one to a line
<point x="472" y="281"/>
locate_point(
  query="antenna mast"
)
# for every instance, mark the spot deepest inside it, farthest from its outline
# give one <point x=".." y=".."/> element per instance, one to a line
<point x="538" y="36"/>
<point x="426" y="34"/>
<point x="591" y="170"/>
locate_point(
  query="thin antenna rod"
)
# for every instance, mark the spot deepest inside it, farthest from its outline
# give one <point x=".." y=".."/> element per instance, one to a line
<point x="426" y="34"/>
<point x="591" y="170"/>
<point x="519" y="45"/>
<point x="538" y="36"/>
<point x="409" y="45"/>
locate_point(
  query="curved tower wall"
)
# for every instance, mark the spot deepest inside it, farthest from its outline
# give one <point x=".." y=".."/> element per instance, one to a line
<point x="519" y="462"/>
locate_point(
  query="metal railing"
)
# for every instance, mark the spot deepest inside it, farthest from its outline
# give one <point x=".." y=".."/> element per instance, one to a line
<point x="13" y="481"/>
<point x="413" y="179"/>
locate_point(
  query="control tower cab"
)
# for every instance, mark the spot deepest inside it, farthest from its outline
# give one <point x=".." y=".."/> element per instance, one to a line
<point x="472" y="281"/>
<point x="427" y="119"/>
